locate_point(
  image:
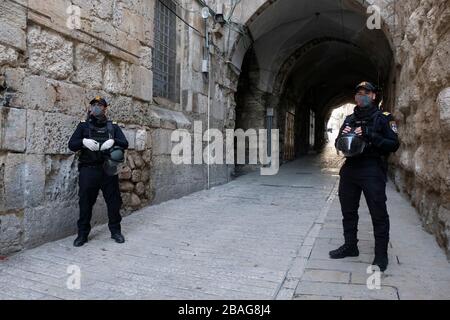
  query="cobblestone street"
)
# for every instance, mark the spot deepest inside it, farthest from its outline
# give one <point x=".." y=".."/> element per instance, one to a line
<point x="254" y="238"/>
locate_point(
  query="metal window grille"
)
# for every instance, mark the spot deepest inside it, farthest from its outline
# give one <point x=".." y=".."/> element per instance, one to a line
<point x="164" y="55"/>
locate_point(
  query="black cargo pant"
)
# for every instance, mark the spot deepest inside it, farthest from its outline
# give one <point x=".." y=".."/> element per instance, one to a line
<point x="367" y="176"/>
<point x="91" y="180"/>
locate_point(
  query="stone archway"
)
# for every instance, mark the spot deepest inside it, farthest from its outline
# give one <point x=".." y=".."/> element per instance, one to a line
<point x="306" y="61"/>
<point x="413" y="67"/>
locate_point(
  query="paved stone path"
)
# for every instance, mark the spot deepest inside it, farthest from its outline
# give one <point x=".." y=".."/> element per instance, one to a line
<point x="254" y="238"/>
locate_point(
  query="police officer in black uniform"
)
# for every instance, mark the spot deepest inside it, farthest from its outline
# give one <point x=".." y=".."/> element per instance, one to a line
<point x="367" y="173"/>
<point x="94" y="138"/>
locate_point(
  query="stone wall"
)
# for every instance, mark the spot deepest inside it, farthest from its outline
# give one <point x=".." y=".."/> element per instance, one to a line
<point x="49" y="73"/>
<point x="422" y="165"/>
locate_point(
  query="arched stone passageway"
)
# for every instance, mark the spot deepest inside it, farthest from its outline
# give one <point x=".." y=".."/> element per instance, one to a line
<point x="304" y="60"/>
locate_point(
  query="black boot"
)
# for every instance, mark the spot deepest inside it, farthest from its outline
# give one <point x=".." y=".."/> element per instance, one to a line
<point x="80" y="241"/>
<point x="118" y="237"/>
<point x="347" y="250"/>
<point x="382" y="261"/>
<point x="381" y="254"/>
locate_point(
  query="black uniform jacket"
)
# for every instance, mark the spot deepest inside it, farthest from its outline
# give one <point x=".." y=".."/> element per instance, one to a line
<point x="82" y="132"/>
<point x="381" y="134"/>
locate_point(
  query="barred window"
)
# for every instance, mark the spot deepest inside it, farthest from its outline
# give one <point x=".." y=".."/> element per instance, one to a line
<point x="164" y="54"/>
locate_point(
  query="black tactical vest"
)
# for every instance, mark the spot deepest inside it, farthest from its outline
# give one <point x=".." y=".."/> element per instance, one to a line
<point x="101" y="135"/>
<point x="374" y="122"/>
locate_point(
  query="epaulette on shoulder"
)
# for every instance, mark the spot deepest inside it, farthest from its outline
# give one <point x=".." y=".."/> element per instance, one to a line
<point x="387" y="114"/>
<point x="114" y="122"/>
<point x="82" y="121"/>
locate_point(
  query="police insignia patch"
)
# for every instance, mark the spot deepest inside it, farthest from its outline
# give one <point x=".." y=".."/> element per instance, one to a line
<point x="394" y="126"/>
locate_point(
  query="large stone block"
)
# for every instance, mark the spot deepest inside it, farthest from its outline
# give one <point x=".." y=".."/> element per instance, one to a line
<point x="7" y="55"/>
<point x="117" y="77"/>
<point x="24" y="181"/>
<point x="88" y="66"/>
<point x="35" y="131"/>
<point x="132" y="23"/>
<point x="14" y="78"/>
<point x="50" y="222"/>
<point x="161" y="142"/>
<point x="14" y="183"/>
<point x="121" y="109"/>
<point x="71" y="99"/>
<point x="61" y="178"/>
<point x="141" y="140"/>
<point x="13" y="21"/>
<point x="131" y="137"/>
<point x="49" y="53"/>
<point x="49" y="133"/>
<point x="37" y="93"/>
<point x="146" y="55"/>
<point x="142" y="83"/>
<point x="443" y="102"/>
<point x="58" y="131"/>
<point x="55" y="9"/>
<point x="199" y="103"/>
<point x="10" y="234"/>
<point x="13" y="129"/>
<point x="34" y="180"/>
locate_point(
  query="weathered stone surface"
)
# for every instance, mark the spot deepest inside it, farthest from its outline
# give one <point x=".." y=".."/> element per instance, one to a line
<point x="34" y="180"/>
<point x="162" y="144"/>
<point x="7" y="55"/>
<point x="199" y="103"/>
<point x="71" y="99"/>
<point x="126" y="186"/>
<point x="117" y="77"/>
<point x="130" y="161"/>
<point x="13" y="129"/>
<point x="136" y="175"/>
<point x="135" y="200"/>
<point x="14" y="78"/>
<point x="35" y="131"/>
<point x="443" y="101"/>
<point x="142" y="83"/>
<point x="145" y="175"/>
<point x="131" y="137"/>
<point x="88" y="66"/>
<point x="132" y="23"/>
<point x="49" y="222"/>
<point x="61" y="178"/>
<point x="10" y="233"/>
<point x="55" y="9"/>
<point x="49" y="134"/>
<point x="147" y="156"/>
<point x="125" y="173"/>
<point x="138" y="162"/>
<point x="422" y="165"/>
<point x="141" y="140"/>
<point x="13" y="21"/>
<point x="146" y="57"/>
<point x="49" y="53"/>
<point x="140" y="189"/>
<point x="37" y="93"/>
<point x="14" y="181"/>
<point x="121" y="109"/>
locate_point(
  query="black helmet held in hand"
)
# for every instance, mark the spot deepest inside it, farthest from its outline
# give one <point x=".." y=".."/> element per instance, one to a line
<point x="115" y="157"/>
<point x="351" y="144"/>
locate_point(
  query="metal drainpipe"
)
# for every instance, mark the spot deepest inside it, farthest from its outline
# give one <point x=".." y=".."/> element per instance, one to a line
<point x="269" y="132"/>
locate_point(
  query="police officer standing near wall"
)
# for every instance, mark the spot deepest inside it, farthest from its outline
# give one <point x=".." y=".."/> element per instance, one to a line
<point x="366" y="139"/>
<point x="102" y="144"/>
